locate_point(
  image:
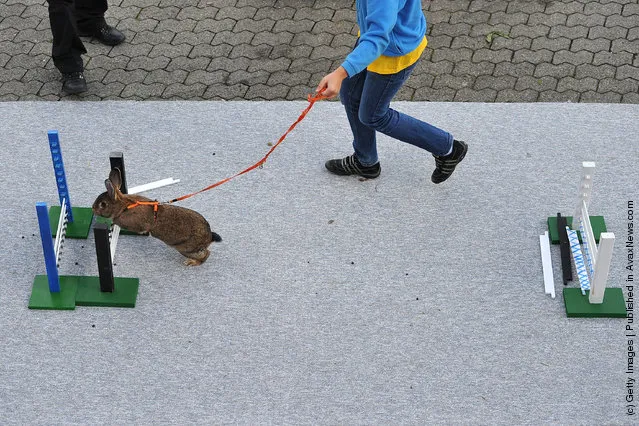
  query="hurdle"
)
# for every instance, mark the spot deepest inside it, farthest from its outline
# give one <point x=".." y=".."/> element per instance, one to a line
<point x="591" y="248"/>
<point x="55" y="291"/>
<point x="65" y="292"/>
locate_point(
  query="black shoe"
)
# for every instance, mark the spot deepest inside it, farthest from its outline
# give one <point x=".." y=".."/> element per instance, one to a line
<point x="105" y="34"/>
<point x="351" y="166"/>
<point x="445" y="165"/>
<point x="73" y="83"/>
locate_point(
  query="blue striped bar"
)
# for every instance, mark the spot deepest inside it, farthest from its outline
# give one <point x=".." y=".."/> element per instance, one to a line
<point x="578" y="258"/>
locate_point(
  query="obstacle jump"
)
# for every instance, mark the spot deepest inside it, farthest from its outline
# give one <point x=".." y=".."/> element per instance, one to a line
<point x="55" y="291"/>
<point x="583" y="238"/>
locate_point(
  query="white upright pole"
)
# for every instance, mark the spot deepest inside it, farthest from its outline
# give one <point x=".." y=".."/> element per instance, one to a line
<point x="585" y="189"/>
<point x="604" y="257"/>
<point x="588" y="240"/>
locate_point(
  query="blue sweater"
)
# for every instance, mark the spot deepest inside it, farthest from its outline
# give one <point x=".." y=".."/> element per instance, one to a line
<point x="387" y="27"/>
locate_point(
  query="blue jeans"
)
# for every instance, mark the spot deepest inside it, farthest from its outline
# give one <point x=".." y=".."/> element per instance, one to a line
<point x="366" y="97"/>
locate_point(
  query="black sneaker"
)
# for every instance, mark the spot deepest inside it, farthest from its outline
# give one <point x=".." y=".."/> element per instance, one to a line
<point x="445" y="165"/>
<point x="73" y="83"/>
<point x="105" y="34"/>
<point x="351" y="166"/>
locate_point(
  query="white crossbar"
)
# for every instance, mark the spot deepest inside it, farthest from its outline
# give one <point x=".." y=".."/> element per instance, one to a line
<point x="153" y="185"/>
<point x="604" y="257"/>
<point x="115" y="229"/>
<point x="61" y="233"/>
<point x="549" y="281"/>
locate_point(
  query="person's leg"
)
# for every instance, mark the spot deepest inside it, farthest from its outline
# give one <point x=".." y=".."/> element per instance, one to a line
<point x="67" y="46"/>
<point x="364" y="138"/>
<point x="90" y="14"/>
<point x="375" y="112"/>
<point x="364" y="161"/>
<point x="91" y="22"/>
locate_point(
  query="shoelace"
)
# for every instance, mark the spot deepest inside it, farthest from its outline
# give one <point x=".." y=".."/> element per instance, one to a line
<point x="350" y="165"/>
<point x="445" y="165"/>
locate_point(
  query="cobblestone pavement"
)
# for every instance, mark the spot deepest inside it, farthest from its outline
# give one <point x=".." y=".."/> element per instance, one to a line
<point x="479" y="50"/>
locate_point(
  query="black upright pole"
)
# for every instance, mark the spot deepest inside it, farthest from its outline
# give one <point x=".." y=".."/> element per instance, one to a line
<point x="103" y="252"/>
<point x="117" y="162"/>
<point x="564" y="246"/>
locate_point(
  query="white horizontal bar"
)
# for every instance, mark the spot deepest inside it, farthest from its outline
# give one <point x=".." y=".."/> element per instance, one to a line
<point x="153" y="185"/>
<point x="549" y="281"/>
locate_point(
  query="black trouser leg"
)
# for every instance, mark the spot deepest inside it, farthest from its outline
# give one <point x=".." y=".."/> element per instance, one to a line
<point x="67" y="46"/>
<point x="90" y="14"/>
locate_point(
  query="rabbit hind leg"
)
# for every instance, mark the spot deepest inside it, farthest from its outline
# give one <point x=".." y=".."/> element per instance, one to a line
<point x="196" y="258"/>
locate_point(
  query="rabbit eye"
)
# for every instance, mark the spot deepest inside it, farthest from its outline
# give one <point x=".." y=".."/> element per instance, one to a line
<point x="102" y="205"/>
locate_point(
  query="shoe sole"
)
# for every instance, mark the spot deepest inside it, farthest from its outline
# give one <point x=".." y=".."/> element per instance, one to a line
<point x="74" y="92"/>
<point x="354" y="174"/>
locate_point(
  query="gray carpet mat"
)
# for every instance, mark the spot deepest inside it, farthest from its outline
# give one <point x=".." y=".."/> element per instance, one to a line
<point x="330" y="300"/>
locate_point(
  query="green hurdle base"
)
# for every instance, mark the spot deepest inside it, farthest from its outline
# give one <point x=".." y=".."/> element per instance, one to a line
<point x="107" y="221"/>
<point x="82" y="291"/>
<point x="577" y="305"/>
<point x="597" y="222"/>
<point x="79" y="229"/>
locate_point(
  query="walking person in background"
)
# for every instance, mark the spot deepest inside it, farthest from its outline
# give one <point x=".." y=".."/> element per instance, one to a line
<point x="69" y="20"/>
<point x="392" y="37"/>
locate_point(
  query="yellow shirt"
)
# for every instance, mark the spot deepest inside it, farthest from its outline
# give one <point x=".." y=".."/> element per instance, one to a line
<point x="394" y="64"/>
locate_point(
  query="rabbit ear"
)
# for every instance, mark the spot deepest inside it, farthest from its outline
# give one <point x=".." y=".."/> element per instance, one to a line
<point x="116" y="177"/>
<point x="111" y="190"/>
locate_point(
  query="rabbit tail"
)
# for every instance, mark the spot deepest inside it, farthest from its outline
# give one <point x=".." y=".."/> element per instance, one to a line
<point x="215" y="237"/>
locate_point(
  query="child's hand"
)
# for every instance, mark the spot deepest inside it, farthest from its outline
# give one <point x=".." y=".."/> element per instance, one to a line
<point x="331" y="83"/>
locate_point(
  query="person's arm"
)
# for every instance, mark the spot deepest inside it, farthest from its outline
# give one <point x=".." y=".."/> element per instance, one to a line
<point x="380" y="20"/>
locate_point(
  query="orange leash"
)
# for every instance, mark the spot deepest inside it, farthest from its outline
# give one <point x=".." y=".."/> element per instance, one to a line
<point x="311" y="100"/>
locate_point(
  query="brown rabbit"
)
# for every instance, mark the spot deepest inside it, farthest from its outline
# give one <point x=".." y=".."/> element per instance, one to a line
<point x="183" y="229"/>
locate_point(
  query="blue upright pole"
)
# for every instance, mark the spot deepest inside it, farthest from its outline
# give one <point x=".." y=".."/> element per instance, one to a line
<point x="58" y="168"/>
<point x="47" y="247"/>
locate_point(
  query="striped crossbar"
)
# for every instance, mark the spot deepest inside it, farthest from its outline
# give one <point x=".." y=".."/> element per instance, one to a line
<point x="578" y="259"/>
